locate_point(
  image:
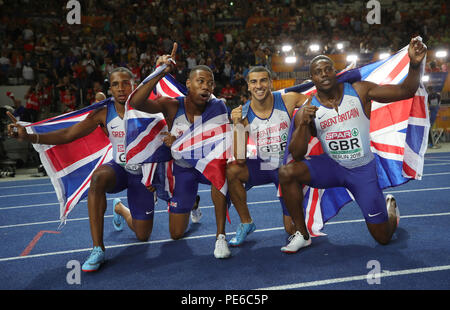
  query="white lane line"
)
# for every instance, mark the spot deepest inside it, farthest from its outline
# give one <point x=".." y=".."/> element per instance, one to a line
<point x="28" y="194"/>
<point x="441" y="164"/>
<point x="53" y="192"/>
<point x="417" y="190"/>
<point x="207" y="190"/>
<point x="27" y="185"/>
<point x="204" y="207"/>
<point x="384" y="273"/>
<point x="106" y="216"/>
<point x="197" y="237"/>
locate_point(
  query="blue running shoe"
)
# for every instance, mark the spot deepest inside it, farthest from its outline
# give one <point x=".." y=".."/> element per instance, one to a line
<point x="95" y="260"/>
<point x="241" y="233"/>
<point x="118" y="219"/>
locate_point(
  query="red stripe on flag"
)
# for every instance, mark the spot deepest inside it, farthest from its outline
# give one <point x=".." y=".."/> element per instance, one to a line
<point x="167" y="90"/>
<point x="86" y="182"/>
<point x="409" y="171"/>
<point x="215" y="172"/>
<point x="312" y="209"/>
<point x="146" y="139"/>
<point x="396" y="71"/>
<point x="64" y="155"/>
<point x="148" y="181"/>
<point x="388" y="148"/>
<point x="418" y="107"/>
<point x="129" y="107"/>
<point x="389" y="115"/>
<point x="316" y="149"/>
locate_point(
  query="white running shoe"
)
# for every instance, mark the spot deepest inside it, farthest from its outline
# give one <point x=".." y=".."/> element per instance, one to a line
<point x="221" y="250"/>
<point x="389" y="200"/>
<point x="196" y="215"/>
<point x="296" y="242"/>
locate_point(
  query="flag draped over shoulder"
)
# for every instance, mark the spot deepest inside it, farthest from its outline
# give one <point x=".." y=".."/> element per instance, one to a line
<point x="207" y="144"/>
<point x="398" y="132"/>
<point x="70" y="166"/>
<point x="144" y="143"/>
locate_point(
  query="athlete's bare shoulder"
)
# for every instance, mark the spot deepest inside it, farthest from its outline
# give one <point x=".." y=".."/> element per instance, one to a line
<point x="98" y="116"/>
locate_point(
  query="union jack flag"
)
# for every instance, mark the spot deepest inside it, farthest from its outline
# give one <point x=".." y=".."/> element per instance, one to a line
<point x="144" y="143"/>
<point x="207" y="145"/>
<point x="398" y="131"/>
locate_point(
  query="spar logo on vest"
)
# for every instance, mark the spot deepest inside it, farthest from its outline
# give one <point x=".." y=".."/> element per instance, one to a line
<point x="344" y="144"/>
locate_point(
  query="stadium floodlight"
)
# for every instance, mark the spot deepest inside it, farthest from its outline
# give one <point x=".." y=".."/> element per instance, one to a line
<point x="290" y="59"/>
<point x="425" y="78"/>
<point x="340" y="46"/>
<point x="286" y="48"/>
<point x="441" y="54"/>
<point x="314" y="47"/>
<point x="384" y="55"/>
<point x="352" y="57"/>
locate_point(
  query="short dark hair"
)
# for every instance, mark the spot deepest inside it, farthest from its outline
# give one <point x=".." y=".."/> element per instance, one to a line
<point x="200" y="68"/>
<point x="319" y="58"/>
<point x="120" y="69"/>
<point x="259" y="69"/>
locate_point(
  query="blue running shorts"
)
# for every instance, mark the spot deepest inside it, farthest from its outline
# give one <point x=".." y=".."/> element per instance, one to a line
<point x="362" y="182"/>
<point x="260" y="175"/>
<point x="185" y="189"/>
<point x="141" y="201"/>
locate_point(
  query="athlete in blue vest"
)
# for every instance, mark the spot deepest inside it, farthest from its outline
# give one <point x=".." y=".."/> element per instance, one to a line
<point x="179" y="114"/>
<point x="112" y="177"/>
<point x="264" y="124"/>
<point x="339" y="116"/>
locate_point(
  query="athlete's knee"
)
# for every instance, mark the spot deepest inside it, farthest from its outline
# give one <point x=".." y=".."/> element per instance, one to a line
<point x="285" y="174"/>
<point x="380" y="233"/>
<point x="143" y="237"/>
<point x="99" y="180"/>
<point x="176" y="234"/>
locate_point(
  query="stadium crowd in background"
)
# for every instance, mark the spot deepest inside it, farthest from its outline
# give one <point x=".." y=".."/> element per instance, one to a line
<point x="66" y="65"/>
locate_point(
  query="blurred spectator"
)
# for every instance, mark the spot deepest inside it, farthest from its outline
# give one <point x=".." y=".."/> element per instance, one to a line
<point x="46" y="97"/>
<point x="191" y="60"/>
<point x="135" y="69"/>
<point x="28" y="69"/>
<point x="5" y="64"/>
<point x="182" y="72"/>
<point x="20" y="113"/>
<point x="32" y="105"/>
<point x="146" y="69"/>
<point x="228" y="92"/>
<point x="42" y="69"/>
<point x="62" y="69"/>
<point x="68" y="101"/>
